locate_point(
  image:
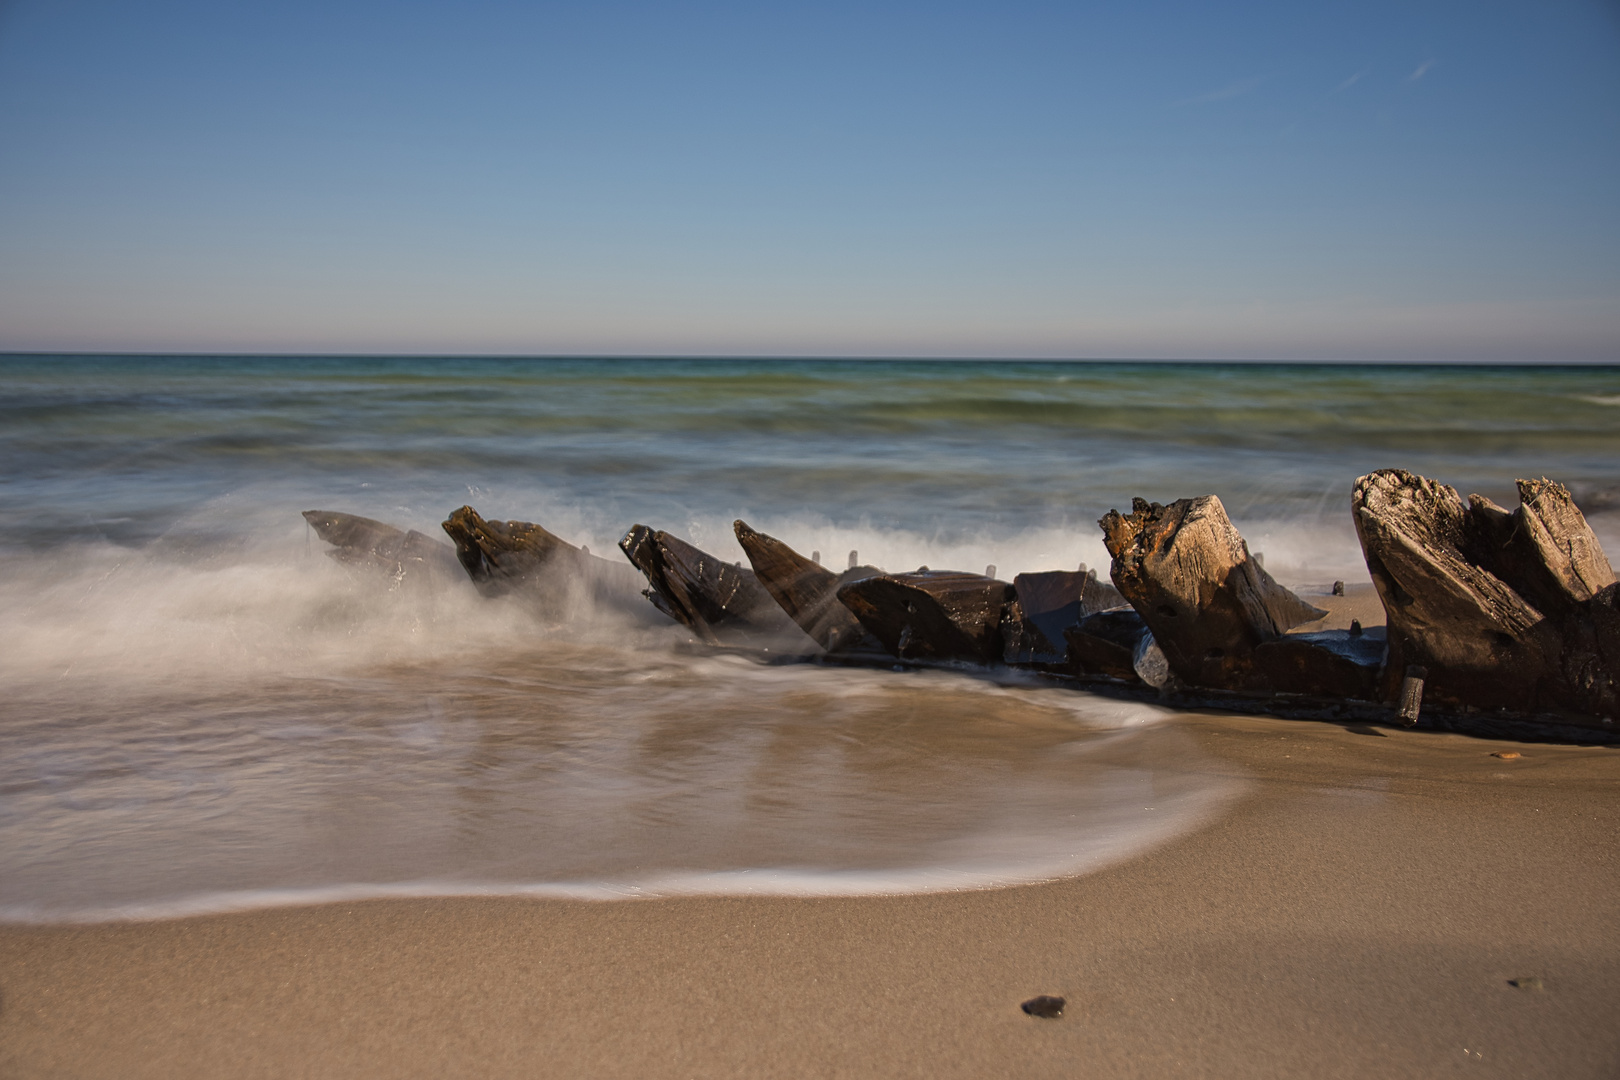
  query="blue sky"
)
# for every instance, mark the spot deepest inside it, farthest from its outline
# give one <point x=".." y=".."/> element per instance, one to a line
<point x="1327" y="181"/>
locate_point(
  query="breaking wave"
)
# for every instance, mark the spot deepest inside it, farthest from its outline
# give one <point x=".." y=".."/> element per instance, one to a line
<point x="205" y="713"/>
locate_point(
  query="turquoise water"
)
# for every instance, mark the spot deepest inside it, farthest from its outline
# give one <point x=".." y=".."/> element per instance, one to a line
<point x="124" y="447"/>
<point x="204" y="712"/>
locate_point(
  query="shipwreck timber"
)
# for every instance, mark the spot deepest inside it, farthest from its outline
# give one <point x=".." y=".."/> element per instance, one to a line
<point x="1492" y="616"/>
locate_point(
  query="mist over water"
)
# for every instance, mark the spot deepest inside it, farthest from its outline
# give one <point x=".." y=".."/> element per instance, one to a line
<point x="203" y="711"/>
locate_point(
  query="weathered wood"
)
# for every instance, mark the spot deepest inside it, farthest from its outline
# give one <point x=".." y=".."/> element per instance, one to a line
<point x="933" y="614"/>
<point x="806" y="590"/>
<point x="363" y="541"/>
<point x="1555" y="561"/>
<point x="1481" y="641"/>
<point x="719" y="601"/>
<point x="1048" y="604"/>
<point x="1411" y="700"/>
<point x="1544" y="549"/>
<point x="1558" y="532"/>
<point x="1324" y="664"/>
<point x="1207" y="601"/>
<point x="1592" y="654"/>
<point x="525" y="559"/>
<point x="1106" y="643"/>
<point x="503" y="556"/>
<point x="1513" y="612"/>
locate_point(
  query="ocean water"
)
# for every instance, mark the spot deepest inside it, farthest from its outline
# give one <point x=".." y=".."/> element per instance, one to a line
<point x="203" y="712"/>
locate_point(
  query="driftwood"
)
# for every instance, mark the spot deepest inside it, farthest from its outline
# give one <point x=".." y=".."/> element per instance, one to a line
<point x="933" y="614"/>
<point x="1328" y="663"/>
<point x="719" y="601"/>
<point x="361" y="541"/>
<point x="1486" y="608"/>
<point x="1592" y="654"/>
<point x="1106" y="643"/>
<point x="1207" y="601"/>
<point x="807" y="591"/>
<point x="1410" y="705"/>
<point x="1047" y="605"/>
<point x="1503" y="610"/>
<point x="1544" y="548"/>
<point x="503" y="557"/>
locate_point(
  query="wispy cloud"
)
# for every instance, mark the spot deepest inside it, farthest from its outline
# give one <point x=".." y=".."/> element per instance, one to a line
<point x="1237" y="89"/>
<point x="1348" y="83"/>
<point x="1422" y="70"/>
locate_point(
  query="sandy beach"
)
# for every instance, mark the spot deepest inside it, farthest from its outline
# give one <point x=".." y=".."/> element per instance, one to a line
<point x="1363" y="910"/>
<point x="809" y="541"/>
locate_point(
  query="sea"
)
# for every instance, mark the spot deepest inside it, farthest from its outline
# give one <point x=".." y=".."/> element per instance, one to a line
<point x="202" y="712"/>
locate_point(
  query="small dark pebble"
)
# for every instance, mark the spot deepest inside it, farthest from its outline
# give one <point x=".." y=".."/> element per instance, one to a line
<point x="1045" y="1006"/>
<point x="1529" y="982"/>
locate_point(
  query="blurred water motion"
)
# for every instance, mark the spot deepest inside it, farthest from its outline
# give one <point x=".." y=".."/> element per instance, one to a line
<point x="595" y="773"/>
<point x="203" y="712"/>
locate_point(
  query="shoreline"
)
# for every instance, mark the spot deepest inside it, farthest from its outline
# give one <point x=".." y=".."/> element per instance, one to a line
<point x="1358" y="911"/>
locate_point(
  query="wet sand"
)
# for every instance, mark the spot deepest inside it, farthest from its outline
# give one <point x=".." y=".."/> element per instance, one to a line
<point x="1360" y="911"/>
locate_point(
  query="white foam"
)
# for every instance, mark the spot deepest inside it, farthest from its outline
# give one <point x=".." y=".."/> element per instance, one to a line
<point x="243" y="709"/>
<point x="1027" y="857"/>
<point x="578" y="771"/>
<point x="269" y="602"/>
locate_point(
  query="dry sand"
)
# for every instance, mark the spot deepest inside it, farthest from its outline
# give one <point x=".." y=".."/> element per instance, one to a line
<point x="1359" y="603"/>
<point x="1359" y="912"/>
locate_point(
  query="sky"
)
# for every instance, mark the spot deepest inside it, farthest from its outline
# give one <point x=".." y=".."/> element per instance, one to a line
<point x="1321" y="181"/>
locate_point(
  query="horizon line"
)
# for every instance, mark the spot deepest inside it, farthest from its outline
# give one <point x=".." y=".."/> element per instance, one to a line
<point x="791" y="357"/>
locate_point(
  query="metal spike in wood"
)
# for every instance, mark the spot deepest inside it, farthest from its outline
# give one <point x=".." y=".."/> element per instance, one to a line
<point x="1412" y="694"/>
